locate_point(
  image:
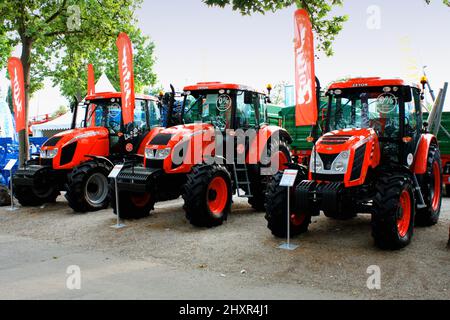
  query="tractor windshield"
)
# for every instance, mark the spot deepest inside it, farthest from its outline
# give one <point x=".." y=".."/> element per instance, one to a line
<point x="364" y="108"/>
<point x="209" y="107"/>
<point x="225" y="109"/>
<point x="108" y="113"/>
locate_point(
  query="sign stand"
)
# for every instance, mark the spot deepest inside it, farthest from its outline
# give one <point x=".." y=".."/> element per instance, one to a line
<point x="9" y="166"/>
<point x="113" y="175"/>
<point x="288" y="181"/>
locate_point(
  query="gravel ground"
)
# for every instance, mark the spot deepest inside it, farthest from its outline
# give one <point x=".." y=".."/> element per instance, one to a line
<point x="333" y="256"/>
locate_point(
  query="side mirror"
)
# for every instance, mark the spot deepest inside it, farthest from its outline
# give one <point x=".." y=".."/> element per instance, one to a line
<point x="407" y="95"/>
<point x="248" y="97"/>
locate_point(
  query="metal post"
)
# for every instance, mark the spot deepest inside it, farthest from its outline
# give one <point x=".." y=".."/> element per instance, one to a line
<point x="288" y="245"/>
<point x="288" y="220"/>
<point x="118" y="225"/>
<point x="13" y="208"/>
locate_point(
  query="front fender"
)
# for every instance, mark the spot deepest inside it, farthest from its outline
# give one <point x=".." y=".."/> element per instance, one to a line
<point x="419" y="165"/>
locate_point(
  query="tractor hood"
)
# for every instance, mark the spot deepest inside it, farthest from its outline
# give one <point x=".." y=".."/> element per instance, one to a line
<point x="345" y="156"/>
<point x="169" y="137"/>
<point x="341" y="140"/>
<point x="80" y="135"/>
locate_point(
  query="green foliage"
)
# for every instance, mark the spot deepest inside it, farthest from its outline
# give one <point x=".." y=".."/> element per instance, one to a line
<point x="326" y="28"/>
<point x="70" y="73"/>
<point x="53" y="33"/>
<point x="9" y="100"/>
<point x="61" y="111"/>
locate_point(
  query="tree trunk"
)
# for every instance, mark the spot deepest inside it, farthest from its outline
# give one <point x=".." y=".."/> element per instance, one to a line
<point x="23" y="135"/>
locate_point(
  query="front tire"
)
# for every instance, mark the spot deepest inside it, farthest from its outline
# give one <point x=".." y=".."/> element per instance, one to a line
<point x="276" y="208"/>
<point x="88" y="187"/>
<point x="259" y="182"/>
<point x="43" y="190"/>
<point x="431" y="186"/>
<point x="393" y="219"/>
<point x="131" y="205"/>
<point x="207" y="195"/>
<point x="5" y="199"/>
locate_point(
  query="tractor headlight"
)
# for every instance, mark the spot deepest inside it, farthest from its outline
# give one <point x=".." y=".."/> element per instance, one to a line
<point x="157" y="154"/>
<point x="340" y="164"/>
<point x="316" y="163"/>
<point x="49" y="154"/>
<point x="162" y="153"/>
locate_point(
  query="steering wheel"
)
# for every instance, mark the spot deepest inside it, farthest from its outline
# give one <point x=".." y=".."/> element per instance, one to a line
<point x="113" y="124"/>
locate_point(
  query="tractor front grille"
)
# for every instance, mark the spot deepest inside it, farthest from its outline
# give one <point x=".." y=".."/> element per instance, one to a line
<point x="332" y="140"/>
<point x="161" y="139"/>
<point x="328" y="159"/>
<point x="52" y="141"/>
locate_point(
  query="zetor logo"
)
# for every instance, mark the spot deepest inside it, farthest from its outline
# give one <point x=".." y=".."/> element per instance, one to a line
<point x="126" y="75"/>
<point x="304" y="94"/>
<point x="17" y="93"/>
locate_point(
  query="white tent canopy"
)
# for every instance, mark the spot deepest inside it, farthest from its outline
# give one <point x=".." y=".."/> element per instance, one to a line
<point x="64" y="122"/>
<point x="61" y="123"/>
<point x="104" y="85"/>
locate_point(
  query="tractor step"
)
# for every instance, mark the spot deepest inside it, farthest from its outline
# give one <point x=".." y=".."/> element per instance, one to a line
<point x="242" y="181"/>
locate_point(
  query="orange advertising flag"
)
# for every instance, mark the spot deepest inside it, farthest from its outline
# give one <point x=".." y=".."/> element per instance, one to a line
<point x="126" y="77"/>
<point x="91" y="80"/>
<point x="15" y="70"/>
<point x="305" y="78"/>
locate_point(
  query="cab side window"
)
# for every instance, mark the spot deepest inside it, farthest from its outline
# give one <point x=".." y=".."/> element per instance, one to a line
<point x="412" y="112"/>
<point x="245" y="113"/>
<point x="140" y="115"/>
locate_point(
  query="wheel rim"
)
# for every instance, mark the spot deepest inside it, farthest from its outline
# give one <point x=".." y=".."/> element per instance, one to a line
<point x="217" y="195"/>
<point x="140" y="200"/>
<point x="404" y="220"/>
<point x="297" y="220"/>
<point x="282" y="160"/>
<point x="436" y="186"/>
<point x="96" y="189"/>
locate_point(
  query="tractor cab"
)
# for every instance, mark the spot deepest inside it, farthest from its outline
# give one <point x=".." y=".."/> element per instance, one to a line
<point x="225" y="106"/>
<point x="105" y="110"/>
<point x="388" y="110"/>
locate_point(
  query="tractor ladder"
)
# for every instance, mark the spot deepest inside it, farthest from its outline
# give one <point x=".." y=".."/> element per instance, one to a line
<point x="242" y="181"/>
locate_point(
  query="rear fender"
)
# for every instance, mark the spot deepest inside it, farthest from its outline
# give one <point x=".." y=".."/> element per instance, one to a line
<point x="258" y="145"/>
<point x="419" y="165"/>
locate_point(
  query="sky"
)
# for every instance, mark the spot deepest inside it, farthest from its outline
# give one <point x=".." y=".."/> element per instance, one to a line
<point x="196" y="43"/>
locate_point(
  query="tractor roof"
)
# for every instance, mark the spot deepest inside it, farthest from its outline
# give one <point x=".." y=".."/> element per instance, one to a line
<point x="109" y="95"/>
<point x="368" y="82"/>
<point x="217" y="86"/>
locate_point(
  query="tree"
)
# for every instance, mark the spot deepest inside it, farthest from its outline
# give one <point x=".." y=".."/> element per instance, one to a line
<point x="9" y="100"/>
<point x="39" y="26"/>
<point x="326" y="28"/>
<point x="71" y="71"/>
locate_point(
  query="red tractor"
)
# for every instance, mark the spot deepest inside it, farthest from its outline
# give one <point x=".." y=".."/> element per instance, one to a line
<point x="223" y="149"/>
<point x="116" y="126"/>
<point x="79" y="160"/>
<point x="374" y="156"/>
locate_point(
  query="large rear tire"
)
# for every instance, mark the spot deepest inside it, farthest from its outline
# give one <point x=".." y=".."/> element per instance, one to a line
<point x="44" y="190"/>
<point x="259" y="182"/>
<point x="276" y="209"/>
<point x="131" y="205"/>
<point x="207" y="195"/>
<point x="5" y="198"/>
<point x="88" y="187"/>
<point x="394" y="204"/>
<point x="431" y="186"/>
